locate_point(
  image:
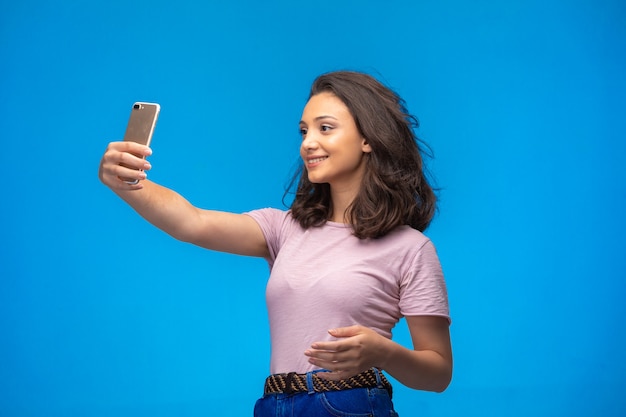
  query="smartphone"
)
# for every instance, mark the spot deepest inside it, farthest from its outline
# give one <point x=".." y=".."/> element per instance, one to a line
<point x="143" y="118"/>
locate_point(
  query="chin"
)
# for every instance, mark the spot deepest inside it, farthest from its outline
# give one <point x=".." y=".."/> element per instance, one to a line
<point x="315" y="180"/>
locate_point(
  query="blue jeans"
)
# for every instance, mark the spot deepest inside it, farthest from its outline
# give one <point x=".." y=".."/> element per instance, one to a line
<point x="355" y="402"/>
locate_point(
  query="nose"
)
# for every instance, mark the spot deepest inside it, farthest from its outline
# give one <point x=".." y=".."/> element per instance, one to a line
<point x="309" y="142"/>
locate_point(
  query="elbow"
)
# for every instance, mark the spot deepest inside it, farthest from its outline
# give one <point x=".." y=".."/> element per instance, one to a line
<point x="436" y="381"/>
<point x="180" y="234"/>
<point x="183" y="236"/>
<point x="441" y="386"/>
<point x="187" y="232"/>
<point x="436" y="384"/>
<point x="441" y="383"/>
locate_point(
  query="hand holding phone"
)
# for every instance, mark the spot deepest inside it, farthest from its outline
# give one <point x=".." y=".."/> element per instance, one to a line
<point x="143" y="118"/>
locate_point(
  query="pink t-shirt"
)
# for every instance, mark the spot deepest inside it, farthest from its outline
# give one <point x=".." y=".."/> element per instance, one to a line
<point x="324" y="277"/>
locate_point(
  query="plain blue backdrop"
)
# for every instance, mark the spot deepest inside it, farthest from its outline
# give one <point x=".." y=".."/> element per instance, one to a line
<point x="522" y="102"/>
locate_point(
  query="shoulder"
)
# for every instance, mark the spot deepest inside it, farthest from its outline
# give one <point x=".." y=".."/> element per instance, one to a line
<point x="408" y="247"/>
<point x="274" y="221"/>
<point x="271" y="215"/>
<point x="406" y="237"/>
<point x="277" y="226"/>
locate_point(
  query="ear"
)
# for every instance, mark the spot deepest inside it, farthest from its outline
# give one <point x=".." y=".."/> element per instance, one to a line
<point x="365" y="146"/>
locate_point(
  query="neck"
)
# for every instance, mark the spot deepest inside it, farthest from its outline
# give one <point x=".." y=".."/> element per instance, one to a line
<point x="341" y="201"/>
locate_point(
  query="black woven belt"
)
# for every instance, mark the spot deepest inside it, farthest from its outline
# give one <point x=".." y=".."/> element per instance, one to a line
<point x="293" y="383"/>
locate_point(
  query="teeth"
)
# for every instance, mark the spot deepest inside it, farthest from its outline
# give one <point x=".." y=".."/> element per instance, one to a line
<point x="316" y="160"/>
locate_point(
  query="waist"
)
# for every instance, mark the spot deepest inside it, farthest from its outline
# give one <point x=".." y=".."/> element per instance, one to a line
<point x="291" y="383"/>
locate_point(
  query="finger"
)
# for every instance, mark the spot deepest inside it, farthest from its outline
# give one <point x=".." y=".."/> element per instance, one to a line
<point x="113" y="158"/>
<point x="348" y="331"/>
<point x="116" y="175"/>
<point x="342" y="353"/>
<point x="331" y="346"/>
<point x="321" y="358"/>
<point x="333" y="367"/>
<point x="337" y="374"/>
<point x="130" y="176"/>
<point x="322" y="355"/>
<point x="130" y="147"/>
<point x="124" y="184"/>
<point x="123" y="164"/>
<point x="132" y="161"/>
<point x="332" y="361"/>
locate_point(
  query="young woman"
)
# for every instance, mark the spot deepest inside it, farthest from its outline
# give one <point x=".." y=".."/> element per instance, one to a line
<point x="347" y="260"/>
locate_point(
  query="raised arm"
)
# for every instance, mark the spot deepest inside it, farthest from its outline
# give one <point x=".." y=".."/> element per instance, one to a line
<point x="172" y="213"/>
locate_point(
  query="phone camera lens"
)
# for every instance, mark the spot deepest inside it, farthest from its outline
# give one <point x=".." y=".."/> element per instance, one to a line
<point x="136" y="106"/>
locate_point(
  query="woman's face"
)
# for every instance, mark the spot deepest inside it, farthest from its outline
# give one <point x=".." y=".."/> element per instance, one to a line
<point x="332" y="148"/>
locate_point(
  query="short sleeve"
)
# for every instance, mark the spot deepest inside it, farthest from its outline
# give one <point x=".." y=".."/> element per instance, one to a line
<point x="272" y="223"/>
<point x="423" y="288"/>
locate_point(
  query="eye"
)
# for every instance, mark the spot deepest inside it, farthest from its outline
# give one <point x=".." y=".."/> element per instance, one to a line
<point x="326" y="128"/>
<point x="303" y="131"/>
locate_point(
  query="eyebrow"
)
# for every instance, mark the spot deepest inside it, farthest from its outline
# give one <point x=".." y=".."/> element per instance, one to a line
<point x="318" y="118"/>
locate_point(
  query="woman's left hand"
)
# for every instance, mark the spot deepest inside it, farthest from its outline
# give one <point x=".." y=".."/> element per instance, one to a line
<point x="357" y="349"/>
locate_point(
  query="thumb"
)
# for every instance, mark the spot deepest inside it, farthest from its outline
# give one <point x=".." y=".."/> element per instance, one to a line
<point x="345" y="331"/>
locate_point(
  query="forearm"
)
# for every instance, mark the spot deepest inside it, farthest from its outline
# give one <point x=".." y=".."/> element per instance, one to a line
<point x="419" y="369"/>
<point x="164" y="208"/>
<point x="428" y="367"/>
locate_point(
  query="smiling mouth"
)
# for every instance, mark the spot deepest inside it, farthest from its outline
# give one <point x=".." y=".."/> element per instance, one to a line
<point x="316" y="160"/>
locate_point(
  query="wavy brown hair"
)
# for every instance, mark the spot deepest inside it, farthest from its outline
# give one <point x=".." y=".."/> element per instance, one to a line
<point x="394" y="190"/>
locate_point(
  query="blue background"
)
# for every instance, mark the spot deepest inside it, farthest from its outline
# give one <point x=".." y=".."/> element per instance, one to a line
<point x="522" y="101"/>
